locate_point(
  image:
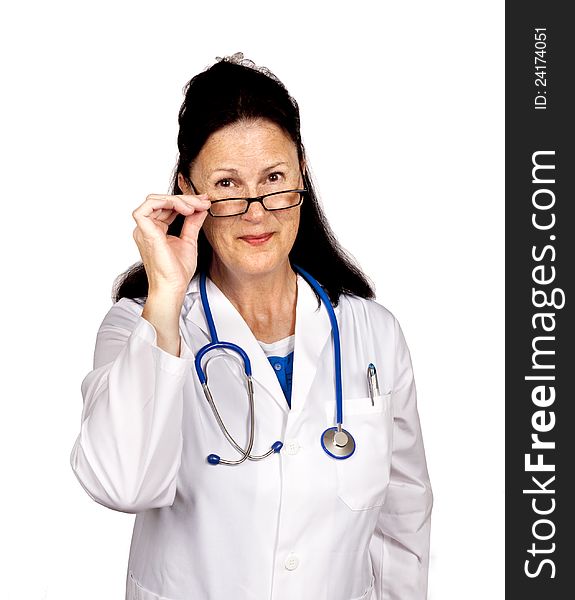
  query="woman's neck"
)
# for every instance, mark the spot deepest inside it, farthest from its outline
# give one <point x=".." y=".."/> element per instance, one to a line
<point x="267" y="302"/>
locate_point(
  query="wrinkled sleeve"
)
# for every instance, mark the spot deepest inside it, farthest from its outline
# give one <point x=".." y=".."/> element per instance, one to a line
<point x="128" y="451"/>
<point x="400" y="545"/>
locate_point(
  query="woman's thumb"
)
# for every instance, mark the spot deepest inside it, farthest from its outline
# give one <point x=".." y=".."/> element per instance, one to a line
<point x="192" y="225"/>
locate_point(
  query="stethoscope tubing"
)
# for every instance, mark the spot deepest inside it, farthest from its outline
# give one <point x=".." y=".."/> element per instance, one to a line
<point x="336" y="340"/>
<point x="216" y="344"/>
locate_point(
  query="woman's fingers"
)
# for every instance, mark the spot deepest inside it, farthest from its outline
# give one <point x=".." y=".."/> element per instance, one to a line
<point x="155" y="202"/>
<point x="163" y="209"/>
<point x="169" y="259"/>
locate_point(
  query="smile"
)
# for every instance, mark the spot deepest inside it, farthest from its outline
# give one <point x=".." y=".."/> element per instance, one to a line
<point x="257" y="240"/>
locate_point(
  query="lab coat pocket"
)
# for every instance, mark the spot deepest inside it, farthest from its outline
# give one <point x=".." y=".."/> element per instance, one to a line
<point x="362" y="479"/>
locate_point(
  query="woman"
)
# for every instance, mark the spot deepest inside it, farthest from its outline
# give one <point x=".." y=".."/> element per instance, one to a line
<point x="330" y="513"/>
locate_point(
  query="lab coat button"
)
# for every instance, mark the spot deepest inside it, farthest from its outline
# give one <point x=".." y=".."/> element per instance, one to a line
<point x="292" y="562"/>
<point x="292" y="446"/>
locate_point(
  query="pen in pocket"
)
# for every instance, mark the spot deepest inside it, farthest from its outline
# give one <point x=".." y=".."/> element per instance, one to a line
<point x="372" y="382"/>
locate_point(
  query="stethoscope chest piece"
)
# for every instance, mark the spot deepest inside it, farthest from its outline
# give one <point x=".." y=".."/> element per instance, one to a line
<point x="338" y="442"/>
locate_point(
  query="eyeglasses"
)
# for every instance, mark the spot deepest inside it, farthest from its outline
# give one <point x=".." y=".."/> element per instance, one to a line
<point x="232" y="207"/>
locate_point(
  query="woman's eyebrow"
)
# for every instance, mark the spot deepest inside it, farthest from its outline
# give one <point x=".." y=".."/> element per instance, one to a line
<point x="235" y="171"/>
<point x="274" y="166"/>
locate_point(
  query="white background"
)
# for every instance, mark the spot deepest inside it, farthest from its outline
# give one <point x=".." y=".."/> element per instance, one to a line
<point x="402" y="120"/>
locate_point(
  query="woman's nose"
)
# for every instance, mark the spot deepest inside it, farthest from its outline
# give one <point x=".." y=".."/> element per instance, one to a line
<point x="255" y="212"/>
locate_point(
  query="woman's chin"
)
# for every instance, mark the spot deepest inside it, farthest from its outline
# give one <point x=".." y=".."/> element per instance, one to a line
<point x="259" y="264"/>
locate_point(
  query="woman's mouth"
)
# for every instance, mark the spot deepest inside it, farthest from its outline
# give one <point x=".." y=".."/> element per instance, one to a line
<point x="257" y="240"/>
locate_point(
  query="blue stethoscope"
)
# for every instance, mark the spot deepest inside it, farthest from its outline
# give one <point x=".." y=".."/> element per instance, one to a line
<point x="336" y="441"/>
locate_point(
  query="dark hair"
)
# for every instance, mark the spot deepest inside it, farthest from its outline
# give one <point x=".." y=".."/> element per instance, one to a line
<point x="227" y="92"/>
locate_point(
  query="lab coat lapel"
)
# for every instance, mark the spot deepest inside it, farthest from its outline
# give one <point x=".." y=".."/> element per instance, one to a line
<point x="231" y="327"/>
<point x="312" y="333"/>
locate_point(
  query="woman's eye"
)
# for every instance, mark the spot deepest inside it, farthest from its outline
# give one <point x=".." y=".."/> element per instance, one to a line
<point x="275" y="176"/>
<point x="223" y="182"/>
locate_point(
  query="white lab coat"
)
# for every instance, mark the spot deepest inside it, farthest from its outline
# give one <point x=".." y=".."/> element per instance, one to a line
<point x="298" y="525"/>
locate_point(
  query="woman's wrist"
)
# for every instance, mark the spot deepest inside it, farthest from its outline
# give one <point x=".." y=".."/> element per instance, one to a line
<point x="162" y="311"/>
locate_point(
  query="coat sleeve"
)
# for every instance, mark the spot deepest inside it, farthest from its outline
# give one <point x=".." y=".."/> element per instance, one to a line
<point x="128" y="451"/>
<point x="399" y="548"/>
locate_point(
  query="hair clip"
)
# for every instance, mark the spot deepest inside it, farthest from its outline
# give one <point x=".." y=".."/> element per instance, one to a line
<point x="238" y="59"/>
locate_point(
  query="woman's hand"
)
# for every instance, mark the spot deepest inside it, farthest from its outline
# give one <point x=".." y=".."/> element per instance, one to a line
<point x="170" y="261"/>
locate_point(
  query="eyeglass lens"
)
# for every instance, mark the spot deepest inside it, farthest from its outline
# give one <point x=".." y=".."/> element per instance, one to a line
<point x="228" y="208"/>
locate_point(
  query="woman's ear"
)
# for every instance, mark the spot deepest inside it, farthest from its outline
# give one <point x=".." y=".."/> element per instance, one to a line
<point x="184" y="185"/>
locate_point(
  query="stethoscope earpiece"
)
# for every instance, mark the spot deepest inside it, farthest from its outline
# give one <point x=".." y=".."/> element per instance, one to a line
<point x="214" y="459"/>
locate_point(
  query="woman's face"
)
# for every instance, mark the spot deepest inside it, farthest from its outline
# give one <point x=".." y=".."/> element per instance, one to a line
<point x="248" y="159"/>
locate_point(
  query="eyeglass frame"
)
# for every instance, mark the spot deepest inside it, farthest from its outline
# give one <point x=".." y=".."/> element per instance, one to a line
<point x="259" y="199"/>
